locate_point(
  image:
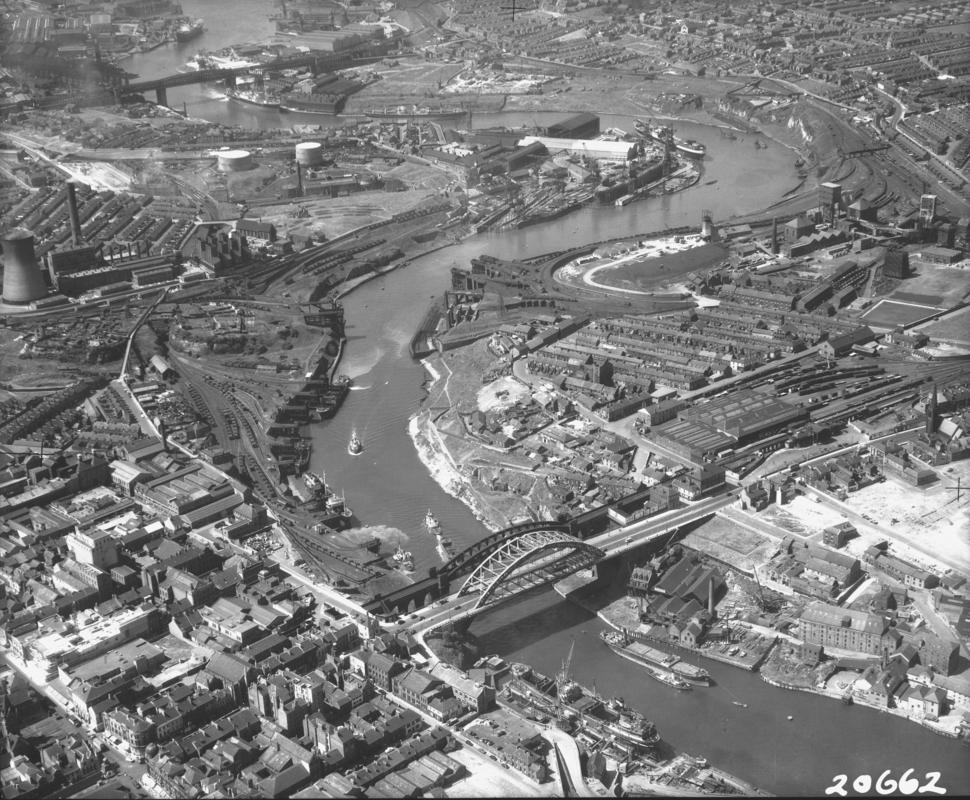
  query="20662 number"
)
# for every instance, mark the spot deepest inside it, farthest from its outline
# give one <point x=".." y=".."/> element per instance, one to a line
<point x="884" y="784"/>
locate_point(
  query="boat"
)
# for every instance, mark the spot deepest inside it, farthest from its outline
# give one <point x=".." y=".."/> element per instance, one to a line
<point x="444" y="548"/>
<point x="403" y="559"/>
<point x="408" y="113"/>
<point x="254" y="97"/>
<point x="710" y="183"/>
<point x="189" y="30"/>
<point x="336" y="505"/>
<point x="661" y="133"/>
<point x="354" y="446"/>
<point x="847" y="700"/>
<point x="738" y="703"/>
<point x="224" y="59"/>
<point x="691" y="148"/>
<point x="670" y="679"/>
<point x="431" y="522"/>
<point x="302" y="102"/>
<point x="643" y="654"/>
<point x="629" y="724"/>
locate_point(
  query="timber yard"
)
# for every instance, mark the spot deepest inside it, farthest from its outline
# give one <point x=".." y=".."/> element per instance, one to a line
<point x="385" y="389"/>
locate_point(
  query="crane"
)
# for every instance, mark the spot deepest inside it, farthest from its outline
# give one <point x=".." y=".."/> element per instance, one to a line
<point x="562" y="684"/>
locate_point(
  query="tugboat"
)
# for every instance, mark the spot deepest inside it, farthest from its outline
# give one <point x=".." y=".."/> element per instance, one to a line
<point x="337" y="505"/>
<point x="189" y="30"/>
<point x="403" y="559"/>
<point x="444" y="548"/>
<point x="431" y="522"/>
<point x="355" y="448"/>
<point x="671" y="680"/>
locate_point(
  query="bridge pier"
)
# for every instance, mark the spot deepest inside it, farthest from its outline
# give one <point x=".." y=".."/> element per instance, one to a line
<point x="161" y="96"/>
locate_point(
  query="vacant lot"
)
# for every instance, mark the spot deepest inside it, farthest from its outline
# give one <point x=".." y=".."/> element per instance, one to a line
<point x="889" y="314"/>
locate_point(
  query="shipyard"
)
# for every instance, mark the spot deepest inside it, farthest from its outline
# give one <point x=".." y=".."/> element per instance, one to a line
<point x="469" y="399"/>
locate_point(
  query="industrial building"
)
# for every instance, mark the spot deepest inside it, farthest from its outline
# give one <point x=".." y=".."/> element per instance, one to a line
<point x="590" y="148"/>
<point x="579" y="126"/>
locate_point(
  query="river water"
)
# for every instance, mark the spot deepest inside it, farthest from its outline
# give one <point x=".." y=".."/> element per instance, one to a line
<point x="387" y="485"/>
<point x="757" y="743"/>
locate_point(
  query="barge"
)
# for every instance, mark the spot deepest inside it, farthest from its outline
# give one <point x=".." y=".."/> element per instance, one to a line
<point x="652" y="658"/>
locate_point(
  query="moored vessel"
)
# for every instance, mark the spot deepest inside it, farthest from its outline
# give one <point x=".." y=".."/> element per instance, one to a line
<point x="650" y="657"/>
<point x="253" y="97"/>
<point x="688" y="147"/>
<point x="407" y="113"/>
<point x="403" y="559"/>
<point x="189" y="30"/>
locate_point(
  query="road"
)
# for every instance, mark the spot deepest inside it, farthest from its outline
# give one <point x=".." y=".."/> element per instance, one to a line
<point x="323" y="593"/>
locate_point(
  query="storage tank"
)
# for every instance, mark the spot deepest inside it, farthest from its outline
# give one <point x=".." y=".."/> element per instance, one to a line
<point x="23" y="281"/>
<point x="235" y="160"/>
<point x="309" y="154"/>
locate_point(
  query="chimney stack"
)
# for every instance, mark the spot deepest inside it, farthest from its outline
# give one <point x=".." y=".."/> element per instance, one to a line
<point x="299" y="178"/>
<point x="774" y="235"/>
<point x="75" y="218"/>
<point x="710" y="596"/>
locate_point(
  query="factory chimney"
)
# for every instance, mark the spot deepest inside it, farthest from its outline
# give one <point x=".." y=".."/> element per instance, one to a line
<point x="931" y="412"/>
<point x="710" y="597"/>
<point x="22" y="279"/>
<point x="75" y="217"/>
<point x="774" y="235"/>
<point x="299" y="178"/>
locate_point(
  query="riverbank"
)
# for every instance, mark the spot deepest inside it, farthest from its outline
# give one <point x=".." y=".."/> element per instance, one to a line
<point x="621" y="615"/>
<point x="434" y="456"/>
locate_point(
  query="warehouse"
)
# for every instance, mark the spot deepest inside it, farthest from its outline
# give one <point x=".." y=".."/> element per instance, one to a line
<point x="578" y="126"/>
<point x="590" y="148"/>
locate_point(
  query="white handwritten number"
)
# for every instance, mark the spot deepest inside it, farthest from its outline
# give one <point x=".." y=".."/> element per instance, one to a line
<point x="907" y="784"/>
<point x="885" y="784"/>
<point x="862" y="784"/>
<point x="838" y="786"/>
<point x="931" y="786"/>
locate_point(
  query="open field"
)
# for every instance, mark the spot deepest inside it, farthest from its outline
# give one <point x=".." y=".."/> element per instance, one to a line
<point x="950" y="284"/>
<point x="928" y="521"/>
<point x="955" y="327"/>
<point x="889" y="314"/>
<point x="802" y="517"/>
<point x="332" y="217"/>
<point x="729" y="542"/>
<point x="488" y="779"/>
<point x="646" y="272"/>
<point x="513" y="389"/>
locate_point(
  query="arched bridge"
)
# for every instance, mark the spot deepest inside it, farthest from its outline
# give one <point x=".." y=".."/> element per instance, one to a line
<point x="490" y="557"/>
<point x="525" y="561"/>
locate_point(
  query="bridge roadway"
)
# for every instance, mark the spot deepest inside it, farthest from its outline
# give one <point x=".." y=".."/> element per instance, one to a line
<point x="617" y="542"/>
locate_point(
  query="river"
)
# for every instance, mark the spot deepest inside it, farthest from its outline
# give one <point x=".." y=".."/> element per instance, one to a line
<point x="757" y="743"/>
<point x="387" y="484"/>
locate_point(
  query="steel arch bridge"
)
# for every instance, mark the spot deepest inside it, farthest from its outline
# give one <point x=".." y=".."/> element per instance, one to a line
<point x="533" y="558"/>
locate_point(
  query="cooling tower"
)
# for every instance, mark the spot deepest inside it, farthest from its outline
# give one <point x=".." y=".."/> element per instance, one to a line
<point x="22" y="279"/>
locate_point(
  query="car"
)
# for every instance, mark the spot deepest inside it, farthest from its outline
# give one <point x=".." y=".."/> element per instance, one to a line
<point x="629" y="539"/>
